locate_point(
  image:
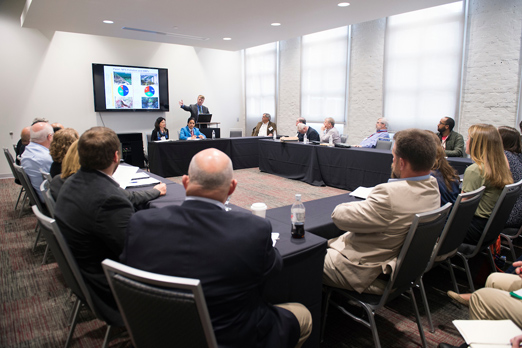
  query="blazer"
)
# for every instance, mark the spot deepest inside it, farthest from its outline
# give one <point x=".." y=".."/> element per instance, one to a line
<point x="270" y="128"/>
<point x="231" y="253"/>
<point x="93" y="212"/>
<point x="184" y="133"/>
<point x="378" y="227"/>
<point x="454" y="144"/>
<point x="193" y="109"/>
<point x="155" y="135"/>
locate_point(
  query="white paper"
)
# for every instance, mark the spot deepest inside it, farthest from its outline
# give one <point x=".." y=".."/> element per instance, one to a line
<point x="487" y="333"/>
<point x="143" y="182"/>
<point x="124" y="174"/>
<point x="361" y="192"/>
<point x="275" y="237"/>
<point x="140" y="175"/>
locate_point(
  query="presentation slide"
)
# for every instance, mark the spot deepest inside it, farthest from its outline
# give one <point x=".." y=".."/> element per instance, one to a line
<point x="131" y="88"/>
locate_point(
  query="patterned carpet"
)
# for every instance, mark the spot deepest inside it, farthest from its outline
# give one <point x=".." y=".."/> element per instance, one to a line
<point x="36" y="305"/>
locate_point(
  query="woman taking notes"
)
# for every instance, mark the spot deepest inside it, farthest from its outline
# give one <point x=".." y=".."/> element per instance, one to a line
<point x="160" y="132"/>
<point x="490" y="169"/>
<point x="190" y="132"/>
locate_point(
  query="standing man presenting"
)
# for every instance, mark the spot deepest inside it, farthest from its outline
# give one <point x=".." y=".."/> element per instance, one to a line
<point x="196" y="109"/>
<point x="452" y="142"/>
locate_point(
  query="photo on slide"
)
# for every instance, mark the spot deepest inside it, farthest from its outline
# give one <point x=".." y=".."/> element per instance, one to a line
<point x="149" y="103"/>
<point x="123" y="103"/>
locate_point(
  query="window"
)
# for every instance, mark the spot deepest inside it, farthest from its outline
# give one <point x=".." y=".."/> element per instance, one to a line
<point x="324" y="75"/>
<point x="260" y="83"/>
<point x="423" y="56"/>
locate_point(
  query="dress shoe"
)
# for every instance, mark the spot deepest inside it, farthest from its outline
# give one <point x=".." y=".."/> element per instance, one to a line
<point x="453" y="295"/>
<point x="445" y="345"/>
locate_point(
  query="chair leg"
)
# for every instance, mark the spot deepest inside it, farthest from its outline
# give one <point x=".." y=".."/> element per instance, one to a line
<point x="71" y="317"/>
<point x="23" y="205"/>
<point x="107" y="335"/>
<point x="417" y="315"/>
<point x="452" y="275"/>
<point x="37" y="237"/>
<point x="44" y="261"/>
<point x="491" y="260"/>
<point x="468" y="274"/>
<point x="512" y="249"/>
<point x="77" y="306"/>
<point x="373" y="326"/>
<point x="426" y="306"/>
<point x="325" y="312"/>
<point x="19" y="195"/>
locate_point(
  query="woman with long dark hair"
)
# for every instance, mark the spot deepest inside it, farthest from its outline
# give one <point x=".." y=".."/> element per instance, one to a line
<point x="160" y="131"/>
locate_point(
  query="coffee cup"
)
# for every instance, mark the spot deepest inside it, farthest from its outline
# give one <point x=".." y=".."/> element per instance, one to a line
<point x="259" y="209"/>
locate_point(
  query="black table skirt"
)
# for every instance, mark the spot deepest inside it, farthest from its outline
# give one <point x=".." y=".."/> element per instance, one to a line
<point x="172" y="158"/>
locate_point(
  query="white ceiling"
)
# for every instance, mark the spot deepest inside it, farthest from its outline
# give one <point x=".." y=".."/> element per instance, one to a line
<point x="246" y="22"/>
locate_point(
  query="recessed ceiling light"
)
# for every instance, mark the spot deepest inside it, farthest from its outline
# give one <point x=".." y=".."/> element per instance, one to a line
<point x="108" y="22"/>
<point x="227" y="38"/>
<point x="343" y="4"/>
<point x="275" y="24"/>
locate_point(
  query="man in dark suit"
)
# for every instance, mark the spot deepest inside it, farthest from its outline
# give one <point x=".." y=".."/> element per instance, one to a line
<point x="230" y="252"/>
<point x="311" y="134"/>
<point x="196" y="109"/>
<point x="92" y="212"/>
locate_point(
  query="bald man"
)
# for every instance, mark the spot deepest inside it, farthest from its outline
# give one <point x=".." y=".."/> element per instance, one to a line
<point x="25" y="138"/>
<point x="230" y="252"/>
<point x="36" y="155"/>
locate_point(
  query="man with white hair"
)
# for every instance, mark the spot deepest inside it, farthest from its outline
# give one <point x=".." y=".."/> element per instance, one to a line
<point x="231" y="253"/>
<point x="36" y="155"/>
<point x="311" y="134"/>
<point x="381" y="133"/>
<point x="328" y="131"/>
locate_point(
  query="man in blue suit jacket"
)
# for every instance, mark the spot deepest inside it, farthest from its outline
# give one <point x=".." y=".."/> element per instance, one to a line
<point x="230" y="252"/>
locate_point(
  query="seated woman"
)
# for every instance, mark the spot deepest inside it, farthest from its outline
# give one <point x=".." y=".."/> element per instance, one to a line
<point x="71" y="164"/>
<point x="190" y="132"/>
<point x="513" y="148"/>
<point x="445" y="174"/>
<point x="160" y="132"/>
<point x="62" y="139"/>
<point x="490" y="169"/>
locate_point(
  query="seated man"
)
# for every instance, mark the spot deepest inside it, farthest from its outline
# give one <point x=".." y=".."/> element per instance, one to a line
<point x="230" y="252"/>
<point x="381" y="133"/>
<point x="92" y="212"/>
<point x="265" y="127"/>
<point x="303" y="121"/>
<point x="328" y="130"/>
<point x="25" y="138"/>
<point x="377" y="227"/>
<point x="452" y="142"/>
<point x="36" y="155"/>
<point x="311" y="134"/>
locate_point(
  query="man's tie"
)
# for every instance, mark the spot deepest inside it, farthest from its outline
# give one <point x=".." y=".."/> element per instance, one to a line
<point x="192" y="132"/>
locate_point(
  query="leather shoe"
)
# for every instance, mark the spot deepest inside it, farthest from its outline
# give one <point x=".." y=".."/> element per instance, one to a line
<point x="445" y="345"/>
<point x="453" y="295"/>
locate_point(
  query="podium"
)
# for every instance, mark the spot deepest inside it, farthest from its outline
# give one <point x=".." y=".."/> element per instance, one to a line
<point x="206" y="128"/>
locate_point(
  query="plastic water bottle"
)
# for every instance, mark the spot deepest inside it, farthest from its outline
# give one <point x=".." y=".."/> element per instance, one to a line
<point x="330" y="142"/>
<point x="275" y="135"/>
<point x="213" y="135"/>
<point x="305" y="139"/>
<point x="297" y="215"/>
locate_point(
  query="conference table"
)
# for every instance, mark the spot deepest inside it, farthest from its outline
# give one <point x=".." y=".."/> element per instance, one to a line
<point x="301" y="277"/>
<point x="172" y="158"/>
<point x="345" y="168"/>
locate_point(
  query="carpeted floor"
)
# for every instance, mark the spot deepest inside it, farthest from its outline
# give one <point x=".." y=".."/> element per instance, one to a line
<point x="36" y="305"/>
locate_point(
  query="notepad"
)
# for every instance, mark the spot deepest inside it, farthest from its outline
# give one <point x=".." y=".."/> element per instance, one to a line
<point x="275" y="237"/>
<point x="361" y="192"/>
<point x="487" y="333"/>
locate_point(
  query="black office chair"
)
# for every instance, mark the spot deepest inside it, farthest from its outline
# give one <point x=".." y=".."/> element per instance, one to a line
<point x="509" y="234"/>
<point x="71" y="272"/>
<point x="236" y="133"/>
<point x="383" y="144"/>
<point x="411" y="264"/>
<point x="451" y="238"/>
<point x="159" y="310"/>
<point x="11" y="162"/>
<point x="496" y="222"/>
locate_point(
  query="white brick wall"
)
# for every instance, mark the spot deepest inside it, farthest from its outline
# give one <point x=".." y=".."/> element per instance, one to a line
<point x="289" y="107"/>
<point x="366" y="79"/>
<point x="492" y="72"/>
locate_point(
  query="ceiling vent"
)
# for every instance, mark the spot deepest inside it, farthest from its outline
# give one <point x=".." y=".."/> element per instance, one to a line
<point x="179" y="36"/>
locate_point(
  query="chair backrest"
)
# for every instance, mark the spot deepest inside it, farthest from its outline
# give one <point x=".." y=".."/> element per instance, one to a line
<point x="344" y="138"/>
<point x="26" y="183"/>
<point x="159" y="310"/>
<point x="14" y="148"/>
<point x="234" y="133"/>
<point x="383" y="144"/>
<point x="46" y="175"/>
<point x="49" y="200"/>
<point x="149" y="138"/>
<point x="458" y="222"/>
<point x="499" y="216"/>
<point x="47" y="226"/>
<point x="11" y="162"/>
<point x="416" y="250"/>
<point x="178" y="133"/>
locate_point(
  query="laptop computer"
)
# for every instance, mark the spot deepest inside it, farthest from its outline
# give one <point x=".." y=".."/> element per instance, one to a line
<point x="202" y="118"/>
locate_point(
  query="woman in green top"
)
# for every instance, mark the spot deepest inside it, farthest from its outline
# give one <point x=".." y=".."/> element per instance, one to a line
<point x="490" y="169"/>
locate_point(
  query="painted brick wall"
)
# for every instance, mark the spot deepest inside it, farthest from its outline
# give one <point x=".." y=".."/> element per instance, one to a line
<point x="289" y="108"/>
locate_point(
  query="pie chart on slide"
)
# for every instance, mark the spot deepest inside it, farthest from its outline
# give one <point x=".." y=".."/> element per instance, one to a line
<point x="123" y="90"/>
<point x="149" y="91"/>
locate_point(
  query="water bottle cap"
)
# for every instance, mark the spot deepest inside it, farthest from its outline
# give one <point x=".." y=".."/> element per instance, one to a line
<point x="298" y="196"/>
